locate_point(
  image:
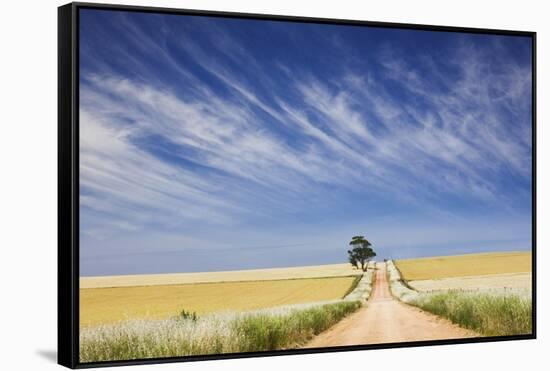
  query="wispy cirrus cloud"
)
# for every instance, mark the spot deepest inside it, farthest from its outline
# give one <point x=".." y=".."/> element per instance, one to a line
<point x="209" y="128"/>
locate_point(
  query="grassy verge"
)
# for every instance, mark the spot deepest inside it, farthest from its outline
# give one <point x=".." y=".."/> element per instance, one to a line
<point x="363" y="287"/>
<point x="272" y="329"/>
<point x="353" y="286"/>
<point x="398" y="287"/>
<point x="490" y="315"/>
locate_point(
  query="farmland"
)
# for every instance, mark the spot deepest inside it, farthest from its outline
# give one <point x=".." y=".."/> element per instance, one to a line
<point x="464" y="265"/>
<point x="511" y="281"/>
<point x="270" y="329"/>
<point x="129" y="322"/>
<point x="112" y="304"/>
<point x="488" y="293"/>
<point x="269" y="274"/>
<point x="241" y="311"/>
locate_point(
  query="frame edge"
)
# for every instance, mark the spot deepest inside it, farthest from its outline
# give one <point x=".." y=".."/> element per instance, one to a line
<point x="534" y="268"/>
<point x="300" y="19"/>
<point x="66" y="309"/>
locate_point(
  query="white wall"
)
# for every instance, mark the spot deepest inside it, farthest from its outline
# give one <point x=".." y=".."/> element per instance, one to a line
<point x="28" y="181"/>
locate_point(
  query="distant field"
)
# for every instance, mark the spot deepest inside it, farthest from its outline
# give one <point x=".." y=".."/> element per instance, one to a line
<point x="464" y="265"/>
<point x="315" y="271"/>
<point x="489" y="293"/>
<point x="109" y="305"/>
<point x="512" y="281"/>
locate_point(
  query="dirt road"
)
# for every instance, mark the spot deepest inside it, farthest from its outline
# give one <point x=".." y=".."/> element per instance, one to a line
<point x="387" y="320"/>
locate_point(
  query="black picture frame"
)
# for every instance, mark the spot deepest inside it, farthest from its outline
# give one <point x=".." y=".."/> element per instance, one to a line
<point x="68" y="182"/>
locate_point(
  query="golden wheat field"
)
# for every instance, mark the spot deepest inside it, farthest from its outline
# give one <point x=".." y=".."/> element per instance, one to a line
<point x="464" y="265"/>
<point x="112" y="304"/>
<point x="313" y="271"/>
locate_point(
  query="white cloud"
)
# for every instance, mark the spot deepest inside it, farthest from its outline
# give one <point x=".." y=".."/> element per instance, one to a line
<point x="349" y="132"/>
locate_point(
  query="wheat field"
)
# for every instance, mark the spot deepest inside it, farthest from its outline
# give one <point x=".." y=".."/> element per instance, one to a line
<point x="109" y="305"/>
<point x="513" y="281"/>
<point x="488" y="293"/>
<point x="312" y="271"/>
<point x="464" y="265"/>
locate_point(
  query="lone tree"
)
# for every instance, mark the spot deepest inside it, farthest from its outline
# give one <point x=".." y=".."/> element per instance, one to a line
<point x="360" y="253"/>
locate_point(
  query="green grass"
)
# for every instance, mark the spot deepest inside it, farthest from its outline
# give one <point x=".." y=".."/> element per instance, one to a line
<point x="267" y="332"/>
<point x="272" y="329"/>
<point x="488" y="314"/>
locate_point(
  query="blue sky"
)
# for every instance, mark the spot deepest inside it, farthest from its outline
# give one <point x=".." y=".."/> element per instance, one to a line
<point x="218" y="144"/>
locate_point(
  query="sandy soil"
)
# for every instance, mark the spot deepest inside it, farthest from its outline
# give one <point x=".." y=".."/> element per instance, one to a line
<point x="387" y="320"/>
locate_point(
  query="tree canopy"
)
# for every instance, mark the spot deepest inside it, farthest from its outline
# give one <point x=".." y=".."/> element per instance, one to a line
<point x="361" y="252"/>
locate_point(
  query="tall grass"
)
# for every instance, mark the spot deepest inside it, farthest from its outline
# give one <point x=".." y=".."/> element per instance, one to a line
<point x="363" y="287"/>
<point x="268" y="332"/>
<point x="353" y="286"/>
<point x="398" y="287"/>
<point x="486" y="313"/>
<point x="263" y="330"/>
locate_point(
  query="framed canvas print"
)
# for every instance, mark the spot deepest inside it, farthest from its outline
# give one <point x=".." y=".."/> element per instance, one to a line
<point x="237" y="185"/>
